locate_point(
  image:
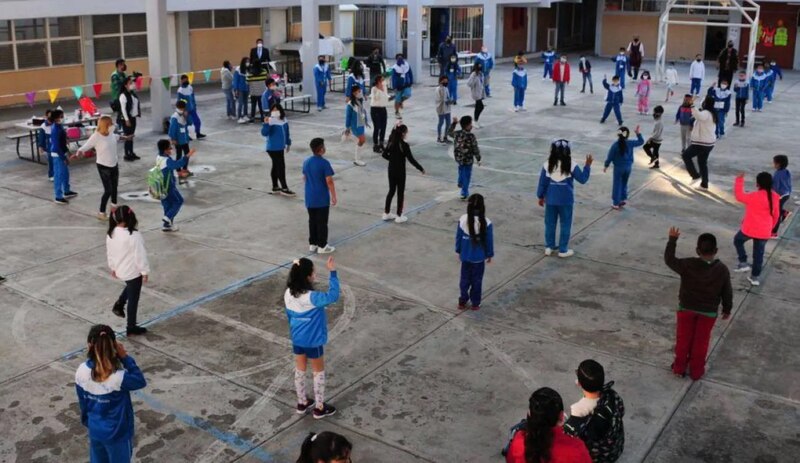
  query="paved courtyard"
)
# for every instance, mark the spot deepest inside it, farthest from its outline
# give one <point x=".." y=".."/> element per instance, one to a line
<point x="414" y="379"/>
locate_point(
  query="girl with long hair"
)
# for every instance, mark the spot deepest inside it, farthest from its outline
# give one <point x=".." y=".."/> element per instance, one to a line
<point x="127" y="259"/>
<point x="621" y="155"/>
<point x="477" y="89"/>
<point x="308" y="328"/>
<point x="241" y="90"/>
<point x="378" y="102"/>
<point x="130" y="111"/>
<point x="397" y="152"/>
<point x="104" y="383"/>
<point x="356" y="78"/>
<point x="104" y="141"/>
<point x="475" y="247"/>
<point x="761" y="214"/>
<point x="276" y="129"/>
<point x="325" y="447"/>
<point x="702" y="142"/>
<point x="355" y="122"/>
<point x="443" y="102"/>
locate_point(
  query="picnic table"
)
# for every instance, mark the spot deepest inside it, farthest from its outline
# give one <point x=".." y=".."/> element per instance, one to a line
<point x="465" y="59"/>
<point x="32" y="128"/>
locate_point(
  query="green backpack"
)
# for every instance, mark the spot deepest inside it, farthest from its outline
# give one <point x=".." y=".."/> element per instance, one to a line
<point x="156" y="184"/>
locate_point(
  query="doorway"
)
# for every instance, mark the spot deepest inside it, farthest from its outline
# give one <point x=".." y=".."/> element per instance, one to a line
<point x="440" y="28"/>
<point x="716" y="39"/>
<point x="515" y="30"/>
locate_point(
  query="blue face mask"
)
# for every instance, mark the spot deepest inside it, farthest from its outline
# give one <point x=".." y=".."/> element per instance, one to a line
<point x="400" y="61"/>
<point x="184" y="84"/>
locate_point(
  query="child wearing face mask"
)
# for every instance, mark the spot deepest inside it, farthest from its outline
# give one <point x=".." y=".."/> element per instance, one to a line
<point x="402" y="80"/>
<point x="643" y="92"/>
<point x="549" y="58"/>
<point x="240" y="90"/>
<point x="742" y="90"/>
<point x="585" y="68"/>
<point x="443" y="102"/>
<point x="722" y="104"/>
<point x="276" y="130"/>
<point x="322" y="77"/>
<point x="621" y="66"/>
<point x="60" y="157"/>
<point x="452" y="71"/>
<point x="774" y="74"/>
<point x="671" y="78"/>
<point x="519" y="80"/>
<point x="697" y="72"/>
<point x="759" y="84"/>
<point x="560" y="79"/>
<point x="179" y="137"/>
<point x="685" y="118"/>
<point x="621" y="155"/>
<point x="486" y="61"/>
<point x="186" y="94"/>
<point x="653" y="144"/>
<point x="271" y="95"/>
<point x="355" y="122"/>
<point x="613" y="99"/>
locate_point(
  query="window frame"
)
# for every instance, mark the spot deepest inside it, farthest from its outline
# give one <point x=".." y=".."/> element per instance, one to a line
<point x="237" y="19"/>
<point x="121" y="35"/>
<point x="47" y="40"/>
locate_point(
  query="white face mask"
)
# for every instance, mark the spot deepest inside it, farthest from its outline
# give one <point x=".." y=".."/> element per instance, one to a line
<point x="563" y="60"/>
<point x="260" y="45"/>
<point x="723" y="87"/>
<point x="131" y="87"/>
<point x="275" y="114"/>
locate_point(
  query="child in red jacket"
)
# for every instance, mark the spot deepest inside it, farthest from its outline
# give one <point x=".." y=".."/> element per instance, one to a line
<point x="560" y="79"/>
<point x="761" y="214"/>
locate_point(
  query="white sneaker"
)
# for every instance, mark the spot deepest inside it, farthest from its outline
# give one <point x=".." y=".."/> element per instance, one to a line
<point x="522" y="109"/>
<point x="753" y="281"/>
<point x="695" y="182"/>
<point x="242" y="120"/>
<point x="548" y="251"/>
<point x="360" y="163"/>
<point x="326" y="250"/>
<point x="312" y="248"/>
<point x="401" y="219"/>
<point x="516" y="109"/>
<point x="102" y="216"/>
<point x="569" y="253"/>
<point x="50" y="178"/>
<point x="389" y="216"/>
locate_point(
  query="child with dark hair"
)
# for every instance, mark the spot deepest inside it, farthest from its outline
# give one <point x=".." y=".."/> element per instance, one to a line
<point x="773" y="74"/>
<point x="443" y="101"/>
<point x="186" y="94"/>
<point x="556" y="192"/>
<point x="684" y="117"/>
<point x="172" y="202"/>
<point x="519" y="81"/>
<point x="742" y="90"/>
<point x="475" y="247"/>
<point x="308" y="328"/>
<point x="761" y="215"/>
<point x="402" y="80"/>
<point x="320" y="195"/>
<point x="597" y="418"/>
<point x="325" y="447"/>
<point x="653" y="144"/>
<point x="103" y="384"/>
<point x="356" y="78"/>
<point x="759" y="82"/>
<point x="271" y="95"/>
<point x="697" y="72"/>
<point x="397" y="152"/>
<point x="621" y="155"/>
<point x="178" y="133"/>
<point x="452" y="71"/>
<point x="322" y="77"/>
<point x="549" y="57"/>
<point x="226" y="78"/>
<point x="782" y="184"/>
<point x="705" y="282"/>
<point x="59" y="154"/>
<point x="613" y="99"/>
<point x="465" y="152"/>
<point x="127" y="259"/>
<point x="276" y="130"/>
<point x="43" y="142"/>
<point x="241" y="90"/>
<point x="643" y="93"/>
<point x="378" y="102"/>
<point x="355" y="122"/>
<point x="722" y="104"/>
<point x="703" y="139"/>
<point x="621" y="65"/>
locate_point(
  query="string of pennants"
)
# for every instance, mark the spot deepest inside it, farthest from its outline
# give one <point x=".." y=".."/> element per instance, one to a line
<point x="97" y="88"/>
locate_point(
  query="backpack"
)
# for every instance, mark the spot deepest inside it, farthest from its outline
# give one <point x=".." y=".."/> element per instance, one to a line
<point x="157" y="186"/>
<point x="602" y="431"/>
<point x="115" y="106"/>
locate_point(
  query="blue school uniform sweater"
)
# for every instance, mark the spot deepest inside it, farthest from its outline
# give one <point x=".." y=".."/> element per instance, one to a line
<point x="722" y="99"/>
<point x="269" y="98"/>
<point x="742" y="89"/>
<point x="277" y="134"/>
<point x="623" y="159"/>
<point x="519" y="78"/>
<point x="322" y="75"/>
<point x="558" y="189"/>
<point x="486" y="61"/>
<point x="613" y="93"/>
<point x="308" y="322"/>
<point x="58" y="141"/>
<point x="106" y="407"/>
<point x="759" y="82"/>
<point x="187" y="94"/>
<point x="177" y="129"/>
<point x="782" y="182"/>
<point x="684" y="115"/>
<point x="43" y="137"/>
<point x="470" y="251"/>
<point x="776" y="71"/>
<point x="240" y="81"/>
<point x="549" y="57"/>
<point x="620" y="64"/>
<point x="352" y="120"/>
<point x="351" y="80"/>
<point x="168" y="165"/>
<point x="402" y="76"/>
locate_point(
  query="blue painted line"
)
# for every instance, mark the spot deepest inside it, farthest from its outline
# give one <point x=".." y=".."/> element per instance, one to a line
<point x="231" y="440"/>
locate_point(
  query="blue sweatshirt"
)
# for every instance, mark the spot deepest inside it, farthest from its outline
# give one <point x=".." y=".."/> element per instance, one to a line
<point x="558" y="189"/>
<point x="43" y="137"/>
<point x="322" y="75"/>
<point x="759" y="82"/>
<point x="722" y="99"/>
<point x="58" y="141"/>
<point x="106" y="407"/>
<point x="776" y="71"/>
<point x="177" y="129"/>
<point x="277" y="134"/>
<point x="620" y="64"/>
<point x="269" y="98"/>
<point x="684" y="115"/>
<point x="474" y="252"/>
<point x="742" y="89"/>
<point x="519" y="78"/>
<point x="782" y="182"/>
<point x="402" y="76"/>
<point x="549" y="57"/>
<point x="452" y="71"/>
<point x="352" y="80"/>
<point x="168" y="165"/>
<point x="240" y="81"/>
<point x="614" y="93"/>
<point x="623" y="159"/>
<point x="308" y="322"/>
<point x="486" y="61"/>
<point x="352" y="120"/>
<point x="187" y="94"/>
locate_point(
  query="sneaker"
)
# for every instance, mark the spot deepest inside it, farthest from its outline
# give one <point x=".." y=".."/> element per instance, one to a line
<point x="242" y="120"/>
<point x="569" y="253"/>
<point x="388" y="216"/>
<point x="446" y="141"/>
<point x="476" y="307"/>
<point x="475" y="125"/>
<point x="654" y="166"/>
<point x="522" y="109"/>
<point x="319" y="109"/>
<point x="360" y="163"/>
<point x="135" y="330"/>
<point x="118" y="310"/>
<point x="516" y="109"/>
<point x="463" y="198"/>
<point x="555" y="103"/>
<point x="401" y="219"/>
<point x="102" y="216"/>
<point x="695" y="182"/>
<point x="742" y="267"/>
<point x="128" y="158"/>
<point x="302" y="409"/>
<point x="51" y="179"/>
<point x="548" y="252"/>
<point x="169" y="228"/>
<point x="754" y="280"/>
<point x="462" y="305"/>
<point x="563" y="104"/>
<point x="616" y="207"/>
<point x="135" y="157"/>
<point x="288" y="192"/>
<point x="326" y="250"/>
<point x="773" y="236"/>
<point x="61" y="201"/>
<point x="200" y="136"/>
<point x="312" y="248"/>
<point x="623" y="203"/>
<point x="326" y="410"/>
<point x="275" y="191"/>
<point x="70" y="194"/>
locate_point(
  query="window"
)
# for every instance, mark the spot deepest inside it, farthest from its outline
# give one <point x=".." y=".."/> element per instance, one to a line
<point x="220" y="19"/>
<point x="200" y="19"/>
<point x="326" y="13"/>
<point x="39" y="42"/>
<point x="370" y="23"/>
<point x="295" y="14"/>
<point x="120" y="36"/>
<point x="250" y="17"/>
<point x="636" y="6"/>
<point x="224" y="18"/>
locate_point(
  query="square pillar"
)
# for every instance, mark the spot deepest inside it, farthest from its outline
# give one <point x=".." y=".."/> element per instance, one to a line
<point x="87" y="43"/>
<point x="158" y="56"/>
<point x="415" y="38"/>
<point x="390" y="47"/>
<point x="182" y="45"/>
<point x="490" y="27"/>
<point x="310" y="49"/>
<point x="533" y="29"/>
<point x="336" y="17"/>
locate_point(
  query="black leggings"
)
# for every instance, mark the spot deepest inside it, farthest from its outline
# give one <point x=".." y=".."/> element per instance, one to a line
<point x="256" y="100"/>
<point x="379" y="117"/>
<point x="110" y="178"/>
<point x="397" y="182"/>
<point x="651" y="148"/>
<point x="478" y="109"/>
<point x="129" y="131"/>
<point x="133" y="288"/>
<point x="278" y="171"/>
<point x="741" y="104"/>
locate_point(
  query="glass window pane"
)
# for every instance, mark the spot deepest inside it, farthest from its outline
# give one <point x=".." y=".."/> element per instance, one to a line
<point x="325" y="13"/>
<point x="249" y="17"/>
<point x="134" y="23"/>
<point x="135" y="46"/>
<point x="107" y="48"/>
<point x="6" y="58"/>
<point x="296" y="14"/>
<point x="65" y="52"/>
<point x="65" y="27"/>
<point x="105" y="24"/>
<point x="5" y="31"/>
<point x="224" y="18"/>
<point x="613" y="5"/>
<point x="200" y="19"/>
<point x="32" y="55"/>
<point x="29" y="29"/>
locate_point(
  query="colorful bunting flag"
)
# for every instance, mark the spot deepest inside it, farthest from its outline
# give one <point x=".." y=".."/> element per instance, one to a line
<point x="53" y="94"/>
<point x="78" y="91"/>
<point x="98" y="89"/>
<point x="166" y="80"/>
<point x="31" y="97"/>
<point x="207" y="74"/>
<point x="139" y="81"/>
<point x="190" y="75"/>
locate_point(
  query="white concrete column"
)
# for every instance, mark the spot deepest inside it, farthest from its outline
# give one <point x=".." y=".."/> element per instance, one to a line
<point x="276" y="19"/>
<point x="336" y="17"/>
<point x="158" y="57"/>
<point x="87" y="45"/>
<point x="490" y="27"/>
<point x="172" y="47"/>
<point x="533" y="28"/>
<point x="182" y="42"/>
<point x="390" y="48"/>
<point x="598" y="31"/>
<point x="415" y="37"/>
<point x="499" y="29"/>
<point x="310" y="49"/>
<point x="735" y="32"/>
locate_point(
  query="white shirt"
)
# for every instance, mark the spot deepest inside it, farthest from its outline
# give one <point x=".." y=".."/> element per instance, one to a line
<point x="697" y="70"/>
<point x="703" y="131"/>
<point x="583" y="407"/>
<point x="671" y="76"/>
<point x="123" y="102"/>
<point x="378" y="98"/>
<point x="105" y="146"/>
<point x="126" y="254"/>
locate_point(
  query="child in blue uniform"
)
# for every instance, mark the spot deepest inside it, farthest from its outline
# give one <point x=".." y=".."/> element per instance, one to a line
<point x="519" y="80"/>
<point x="179" y="136"/>
<point x="621" y="66"/>
<point x="186" y="94"/>
<point x="356" y="77"/>
<point x="173" y="201"/>
<point x="613" y="99"/>
<point x="308" y="328"/>
<point x="452" y="71"/>
<point x="43" y="142"/>
<point x="322" y="76"/>
<point x="486" y="61"/>
<point x="475" y="247"/>
<point x="773" y="74"/>
<point x="355" y="121"/>
<point x="742" y="90"/>
<point x="759" y="82"/>
<point x="722" y="104"/>
<point x="402" y="80"/>
<point x="549" y="58"/>
<point x="781" y="184"/>
<point x="59" y="156"/>
<point x="103" y="384"/>
<point x="621" y="155"/>
<point x="276" y="131"/>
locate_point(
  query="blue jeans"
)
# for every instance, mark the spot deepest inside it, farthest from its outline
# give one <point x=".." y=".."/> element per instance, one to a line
<point x="241" y="108"/>
<point x="452" y="87"/>
<point x="559" y="90"/>
<point x="619" y="187"/>
<point x="770" y="89"/>
<point x="720" y="131"/>
<point x="471" y="282"/>
<point x="230" y="105"/>
<point x="444" y="120"/>
<point x="553" y="215"/>
<point x="321" y="89"/>
<point x="114" y="452"/>
<point x="195" y="118"/>
<point x="548" y="70"/>
<point x="758" y="99"/>
<point x="60" y="177"/>
<point x="758" y="251"/>
<point x="587" y="77"/>
<point x="695" y="87"/>
<point x="621" y="78"/>
<point x="607" y="111"/>
<point x="50" y="168"/>
<point x="486" y="84"/>
<point x="172" y="202"/>
<point x="519" y="97"/>
<point x="464" y="176"/>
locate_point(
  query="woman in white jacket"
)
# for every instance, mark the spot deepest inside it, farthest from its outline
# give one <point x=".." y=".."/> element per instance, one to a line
<point x="104" y="141"/>
<point x="127" y="259"/>
<point x="378" y="101"/>
<point x="703" y="138"/>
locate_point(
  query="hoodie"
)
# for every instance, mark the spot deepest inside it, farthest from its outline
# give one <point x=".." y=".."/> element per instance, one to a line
<point x="177" y="129"/>
<point x="704" y="284"/>
<point x="623" y="159"/>
<point x="519" y="78"/>
<point x="557" y="188"/>
<point x="276" y="132"/>
<point x="549" y="57"/>
<point x="758" y="219"/>
<point x="684" y="115"/>
<point x="486" y="61"/>
<point x="722" y="99"/>
<point x="402" y="76"/>
<point x="613" y="92"/>
<point x="474" y="251"/>
<point x="465" y="147"/>
<point x="782" y="182"/>
<point x="741" y="88"/>
<point x="704" y="129"/>
<point x="187" y="94"/>
<point x="322" y="75"/>
<point x="759" y="82"/>
<point x="308" y="322"/>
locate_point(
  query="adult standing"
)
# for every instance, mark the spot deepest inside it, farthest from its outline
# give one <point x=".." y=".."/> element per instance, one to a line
<point x="477" y="90"/>
<point x="376" y="66"/>
<point x="378" y="102"/>
<point x="728" y="62"/>
<point x="397" y="152"/>
<point x="117" y="78"/>
<point x="130" y="111"/>
<point x="446" y="50"/>
<point x="703" y="138"/>
<point x="104" y="142"/>
<point x="635" y="57"/>
<point x="259" y="55"/>
<point x="127" y="259"/>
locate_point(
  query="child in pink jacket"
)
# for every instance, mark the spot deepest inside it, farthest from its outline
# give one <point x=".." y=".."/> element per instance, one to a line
<point x="643" y="92"/>
<point x="761" y="213"/>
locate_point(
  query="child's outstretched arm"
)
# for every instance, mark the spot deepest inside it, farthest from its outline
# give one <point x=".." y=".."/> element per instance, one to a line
<point x="669" y="253"/>
<point x="322" y="299"/>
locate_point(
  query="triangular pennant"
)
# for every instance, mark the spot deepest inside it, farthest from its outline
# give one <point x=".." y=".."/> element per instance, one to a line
<point x="31" y="97"/>
<point x="53" y="94"/>
<point x="207" y="74"/>
<point x="98" y="89"/>
<point x="166" y="80"/>
<point x="78" y="91"/>
<point x="190" y="75"/>
<point x="139" y="81"/>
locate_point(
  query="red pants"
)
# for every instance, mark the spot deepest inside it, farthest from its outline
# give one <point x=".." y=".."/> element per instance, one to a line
<point x="691" y="344"/>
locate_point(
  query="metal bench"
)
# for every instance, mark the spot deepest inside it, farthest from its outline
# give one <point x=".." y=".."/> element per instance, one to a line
<point x="304" y="100"/>
<point x="30" y="136"/>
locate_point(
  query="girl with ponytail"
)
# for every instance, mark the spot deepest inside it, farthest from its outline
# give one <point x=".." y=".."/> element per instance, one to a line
<point x="308" y="328"/>
<point x="103" y="384"/>
<point x="761" y="214"/>
<point x="475" y="247"/>
<point x="543" y="440"/>
<point x="621" y="155"/>
<point x="127" y="259"/>
<point x="325" y="447"/>
<point x="397" y="152"/>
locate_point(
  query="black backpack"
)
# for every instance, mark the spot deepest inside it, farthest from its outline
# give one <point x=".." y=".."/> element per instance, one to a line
<point x="602" y="431"/>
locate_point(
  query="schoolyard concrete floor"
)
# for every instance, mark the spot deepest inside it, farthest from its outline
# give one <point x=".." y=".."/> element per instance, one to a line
<point x="413" y="379"/>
